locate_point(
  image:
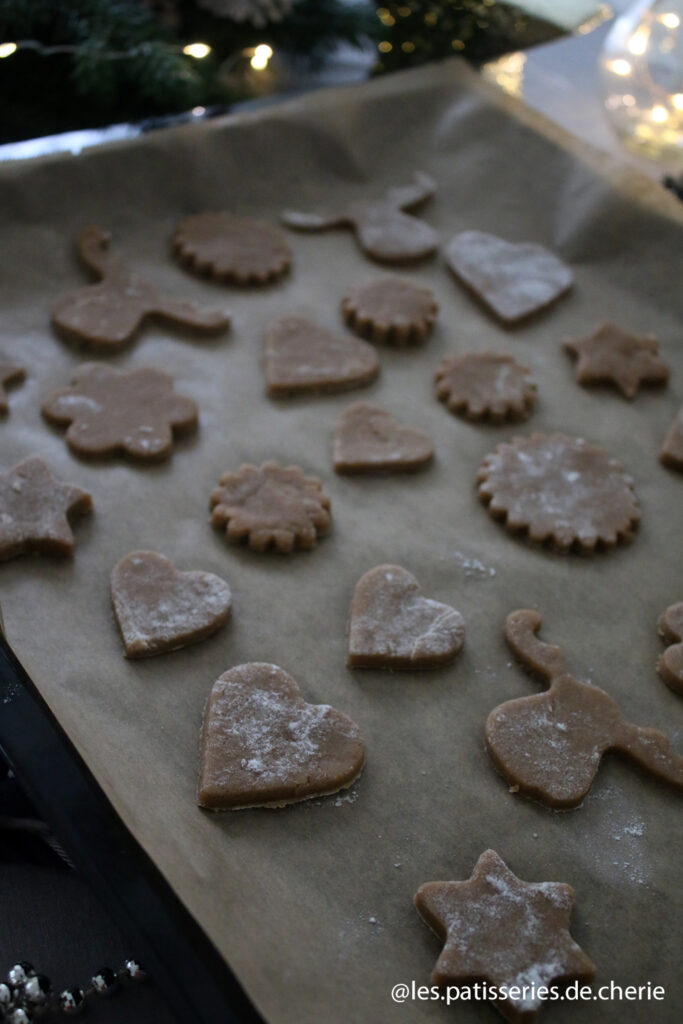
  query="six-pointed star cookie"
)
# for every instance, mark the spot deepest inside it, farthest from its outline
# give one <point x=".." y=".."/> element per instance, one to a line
<point x="36" y="509"/>
<point x="497" y="928"/>
<point x="9" y="374"/>
<point x="611" y="355"/>
<point x="111" y="411"/>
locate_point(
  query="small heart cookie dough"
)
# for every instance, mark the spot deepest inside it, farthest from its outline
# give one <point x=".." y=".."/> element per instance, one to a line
<point x="303" y="358"/>
<point x="232" y="249"/>
<point x="10" y="376"/>
<point x="107" y="316"/>
<point x="496" y="928"/>
<point x="486" y="386"/>
<point x="271" y="507"/>
<point x="393" y="626"/>
<point x="671" y="454"/>
<point x="383" y="228"/>
<point x="670" y="664"/>
<point x="110" y="411"/>
<point x="560" y="490"/>
<point x="614" y="356"/>
<point x="159" y="609"/>
<point x="390" y="310"/>
<point x="264" y="746"/>
<point x="549" y="746"/>
<point x="513" y="281"/>
<point x="367" y="439"/>
<point x="37" y="510"/>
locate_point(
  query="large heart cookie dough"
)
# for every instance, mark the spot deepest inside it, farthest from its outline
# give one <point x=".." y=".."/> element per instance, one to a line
<point x="393" y="626"/>
<point x="302" y="358"/>
<point x="264" y="746"/>
<point x="160" y="609"/>
<point x="367" y="439"/>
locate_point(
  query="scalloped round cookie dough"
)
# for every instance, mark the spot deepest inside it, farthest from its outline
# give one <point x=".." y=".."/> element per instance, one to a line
<point x="391" y="310"/>
<point x="486" y="386"/>
<point x="558" y="489"/>
<point x="233" y="249"/>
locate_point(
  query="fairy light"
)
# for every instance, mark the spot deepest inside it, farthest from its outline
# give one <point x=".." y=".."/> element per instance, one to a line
<point x="659" y="114"/>
<point x="7" y="49"/>
<point x="637" y="44"/>
<point x="408" y="47"/>
<point x="197" y="50"/>
<point x="385" y="46"/>
<point x="670" y="20"/>
<point x="677" y="100"/>
<point x="620" y="67"/>
<point x="261" y="56"/>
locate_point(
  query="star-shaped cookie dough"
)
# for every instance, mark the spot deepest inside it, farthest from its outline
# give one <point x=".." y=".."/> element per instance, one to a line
<point x="36" y="510"/>
<point x="9" y="374"/>
<point x="499" y="929"/>
<point x="611" y="355"/>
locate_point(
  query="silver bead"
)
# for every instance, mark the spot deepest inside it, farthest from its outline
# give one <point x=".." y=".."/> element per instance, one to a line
<point x="5" y="994"/>
<point x="37" y="989"/>
<point x="20" y="973"/>
<point x="104" y="981"/>
<point x="134" y="970"/>
<point x="72" y="1001"/>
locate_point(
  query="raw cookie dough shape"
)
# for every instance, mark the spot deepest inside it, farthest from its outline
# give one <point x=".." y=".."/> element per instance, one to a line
<point x="160" y="609"/>
<point x="271" y="506"/>
<point x="499" y="929"/>
<point x="670" y="664"/>
<point x="383" y="229"/>
<point x="367" y="439"/>
<point x="109" y="411"/>
<point x="230" y="248"/>
<point x="11" y="375"/>
<point x="549" y="745"/>
<point x="611" y="355"/>
<point x="303" y="358"/>
<point x="36" y="511"/>
<point x="106" y="316"/>
<point x="486" y="386"/>
<point x="559" y="489"/>
<point x="671" y="453"/>
<point x="391" y="310"/>
<point x="513" y="281"/>
<point x="264" y="746"/>
<point x="393" y="626"/>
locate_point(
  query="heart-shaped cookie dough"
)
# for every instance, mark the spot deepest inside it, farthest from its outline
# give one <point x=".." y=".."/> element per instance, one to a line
<point x="393" y="626"/>
<point x="367" y="439"/>
<point x="264" y="746"/>
<point x="303" y="357"/>
<point x="512" y="280"/>
<point x="160" y="609"/>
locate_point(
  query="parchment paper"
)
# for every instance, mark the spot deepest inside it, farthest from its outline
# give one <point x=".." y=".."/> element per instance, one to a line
<point x="312" y="905"/>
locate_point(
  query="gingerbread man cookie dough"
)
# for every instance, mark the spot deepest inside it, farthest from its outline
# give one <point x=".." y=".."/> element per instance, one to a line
<point x="559" y="490"/>
<point x="107" y="316"/>
<point x="670" y="664"/>
<point x="110" y="411"/>
<point x="390" y="310"/>
<point x="614" y="356"/>
<point x="37" y="510"/>
<point x="10" y="376"/>
<point x="510" y="933"/>
<point x="367" y="439"/>
<point x="303" y="358"/>
<point x="393" y="626"/>
<point x="271" y="507"/>
<point x="383" y="228"/>
<point x="486" y="386"/>
<point x="232" y="249"/>
<point x="549" y="746"/>
<point x="160" y="609"/>
<point x="264" y="746"/>
<point x="513" y="281"/>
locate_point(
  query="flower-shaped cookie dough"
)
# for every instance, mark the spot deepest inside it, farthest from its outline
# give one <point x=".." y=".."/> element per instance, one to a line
<point x="483" y="385"/>
<point x="390" y="309"/>
<point x="231" y="248"/>
<point x="111" y="411"/>
<point x="271" y="507"/>
<point x="559" y="489"/>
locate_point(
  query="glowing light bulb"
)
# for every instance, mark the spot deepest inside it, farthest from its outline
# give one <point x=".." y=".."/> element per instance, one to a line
<point x="677" y="100"/>
<point x="262" y="55"/>
<point x="670" y="20"/>
<point x="7" y="49"/>
<point x="197" y="50"/>
<point x="659" y="114"/>
<point x="637" y="44"/>
<point x="620" y="66"/>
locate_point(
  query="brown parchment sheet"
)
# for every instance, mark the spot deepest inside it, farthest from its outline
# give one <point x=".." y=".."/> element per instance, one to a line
<point x="312" y="905"/>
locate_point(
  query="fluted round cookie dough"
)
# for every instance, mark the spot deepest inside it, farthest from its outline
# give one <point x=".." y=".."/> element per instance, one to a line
<point x="392" y="310"/>
<point x="230" y="248"/>
<point x="486" y="386"/>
